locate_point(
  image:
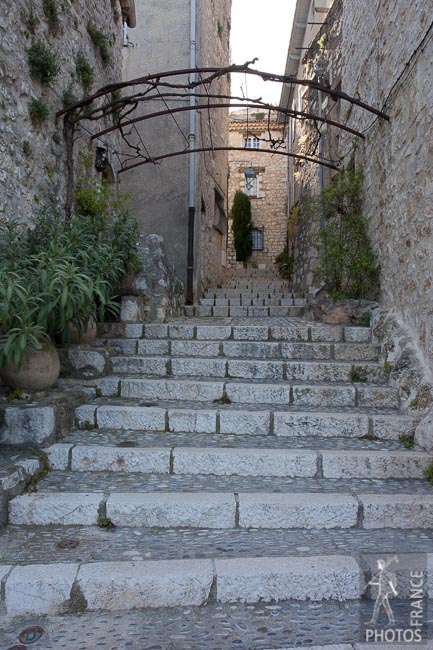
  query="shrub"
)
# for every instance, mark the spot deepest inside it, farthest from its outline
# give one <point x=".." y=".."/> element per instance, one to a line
<point x="101" y="42"/>
<point x="84" y="72"/>
<point x="43" y="64"/>
<point x="38" y="111"/>
<point x="348" y="266"/>
<point x="242" y="226"/>
<point x="285" y="263"/>
<point x="51" y="14"/>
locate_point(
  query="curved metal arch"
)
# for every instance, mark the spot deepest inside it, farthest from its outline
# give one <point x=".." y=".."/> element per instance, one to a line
<point x="181" y="109"/>
<point x="277" y="152"/>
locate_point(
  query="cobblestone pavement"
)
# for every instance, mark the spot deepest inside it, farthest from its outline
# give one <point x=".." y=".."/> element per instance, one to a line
<point x="218" y="627"/>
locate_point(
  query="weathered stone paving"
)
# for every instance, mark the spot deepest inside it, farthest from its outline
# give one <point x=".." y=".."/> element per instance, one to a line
<point x="252" y="468"/>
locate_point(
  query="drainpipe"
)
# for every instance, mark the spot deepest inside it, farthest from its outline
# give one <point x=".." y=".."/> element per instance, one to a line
<point x="191" y="139"/>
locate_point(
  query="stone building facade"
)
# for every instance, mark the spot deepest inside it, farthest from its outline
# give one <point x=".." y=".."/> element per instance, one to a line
<point x="384" y="56"/>
<point x="32" y="153"/>
<point x="160" y="193"/>
<point x="267" y="192"/>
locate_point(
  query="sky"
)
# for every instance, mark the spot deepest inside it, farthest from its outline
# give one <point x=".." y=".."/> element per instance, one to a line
<point x="260" y="28"/>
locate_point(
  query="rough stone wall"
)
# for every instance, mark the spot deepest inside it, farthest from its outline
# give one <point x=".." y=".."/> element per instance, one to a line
<point x="160" y="193"/>
<point x="33" y="171"/>
<point x="388" y="61"/>
<point x="269" y="208"/>
<point x="214" y="49"/>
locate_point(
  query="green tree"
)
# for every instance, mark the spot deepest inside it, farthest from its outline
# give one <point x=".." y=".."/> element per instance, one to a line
<point x="242" y="226"/>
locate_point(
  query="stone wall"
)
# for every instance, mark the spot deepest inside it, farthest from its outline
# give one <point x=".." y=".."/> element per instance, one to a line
<point x="33" y="170"/>
<point x="388" y="61"/>
<point x="159" y="194"/>
<point x="269" y="207"/>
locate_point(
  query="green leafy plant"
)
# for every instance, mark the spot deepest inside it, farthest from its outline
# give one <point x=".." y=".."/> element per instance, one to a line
<point x="105" y="522"/>
<point x="14" y="394"/>
<point x="428" y="472"/>
<point x="38" y="111"/>
<point x="359" y="374"/>
<point x="348" y="267"/>
<point x="364" y="320"/>
<point x="50" y="8"/>
<point x="407" y="441"/>
<point x="242" y="226"/>
<point x="43" y="63"/>
<point x="101" y="42"/>
<point x="84" y="72"/>
<point x="27" y="150"/>
<point x="388" y="367"/>
<point x="285" y="264"/>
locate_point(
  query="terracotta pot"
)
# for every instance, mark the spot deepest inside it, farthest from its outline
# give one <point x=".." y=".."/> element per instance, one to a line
<point x="39" y="372"/>
<point x="86" y="336"/>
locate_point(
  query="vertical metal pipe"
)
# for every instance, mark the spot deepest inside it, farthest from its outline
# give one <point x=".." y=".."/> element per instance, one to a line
<point x="192" y="160"/>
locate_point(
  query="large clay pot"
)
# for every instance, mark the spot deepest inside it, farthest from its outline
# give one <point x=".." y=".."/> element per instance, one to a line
<point x="39" y="371"/>
<point x="86" y="336"/>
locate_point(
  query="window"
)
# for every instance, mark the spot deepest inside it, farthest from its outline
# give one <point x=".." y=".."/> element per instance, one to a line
<point x="252" y="186"/>
<point x="257" y="236"/>
<point x="251" y="143"/>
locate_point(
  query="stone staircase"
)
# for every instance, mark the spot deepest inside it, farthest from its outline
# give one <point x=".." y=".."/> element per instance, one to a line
<point x="231" y="484"/>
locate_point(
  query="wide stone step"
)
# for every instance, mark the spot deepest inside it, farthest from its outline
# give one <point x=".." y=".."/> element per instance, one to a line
<point x="232" y="419"/>
<point x="112" y="586"/>
<point x="272" y="369"/>
<point x="225" y="509"/>
<point x="290" y="392"/>
<point x="259" y="311"/>
<point x="224" y="461"/>
<point x="294" y="331"/>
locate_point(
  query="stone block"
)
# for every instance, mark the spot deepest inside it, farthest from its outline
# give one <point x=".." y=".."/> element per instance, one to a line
<point x="199" y="367"/>
<point x="250" y="333"/>
<point x="304" y="395"/>
<point x="391" y="427"/>
<point x="221" y="302"/>
<point x="123" y="346"/>
<point x="356" y="352"/>
<point x="132" y="309"/>
<point x="220" y="312"/>
<point x="172" y="509"/>
<point x="326" y="333"/>
<point x="98" y="458"/>
<point x="289" y="332"/>
<point x="279" y="311"/>
<point x="326" y="425"/>
<point x="245" y="422"/>
<point x="63" y="508"/>
<point x="424" y="432"/>
<point x="115" y="586"/>
<point x="357" y="334"/>
<point x="90" y="362"/>
<point x="28" y="425"/>
<point x="173" y="389"/>
<point x="245" y="462"/>
<point x="297" y="510"/>
<point x="190" y="421"/>
<point x="133" y="330"/>
<point x="377" y="396"/>
<point x="109" y="386"/>
<point x="213" y="332"/>
<point x="58" y="455"/>
<point x="397" y="510"/>
<point x="259" y="350"/>
<point x="316" y="578"/>
<point x="180" y="331"/>
<point x="4" y="570"/>
<point x="195" y="348"/>
<point x="316" y="371"/>
<point x="238" y="311"/>
<point x="156" y="331"/>
<point x="258" y="393"/>
<point x="153" y="347"/>
<point x="136" y="418"/>
<point x="272" y="370"/>
<point x="139" y="365"/>
<point x="39" y="589"/>
<point x="202" y="311"/>
<point x="258" y="312"/>
<point x="374" y="464"/>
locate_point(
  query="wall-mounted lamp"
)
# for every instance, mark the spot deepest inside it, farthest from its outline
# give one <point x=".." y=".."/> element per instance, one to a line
<point x="101" y="158"/>
<point x="250" y="175"/>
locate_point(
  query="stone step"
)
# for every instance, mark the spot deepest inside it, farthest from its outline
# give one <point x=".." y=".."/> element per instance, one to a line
<point x="244" y="350"/>
<point x="296" y="331"/>
<point x="202" y="311"/>
<point x="112" y="586"/>
<point x="263" y="301"/>
<point x="225" y="461"/>
<point x="291" y="392"/>
<point x="332" y="371"/>
<point x="232" y="419"/>
<point x="219" y="510"/>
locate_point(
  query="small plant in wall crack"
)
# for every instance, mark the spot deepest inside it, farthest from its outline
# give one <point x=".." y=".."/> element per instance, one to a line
<point x="428" y="472"/>
<point x="50" y="8"/>
<point x="101" y="42"/>
<point x="38" y="111"/>
<point x="407" y="441"/>
<point x="359" y="374"/>
<point x="45" y="468"/>
<point x="84" y="72"/>
<point x="105" y="522"/>
<point x="43" y="64"/>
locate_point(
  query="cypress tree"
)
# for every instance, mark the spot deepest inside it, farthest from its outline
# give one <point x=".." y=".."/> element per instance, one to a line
<point x="242" y="226"/>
